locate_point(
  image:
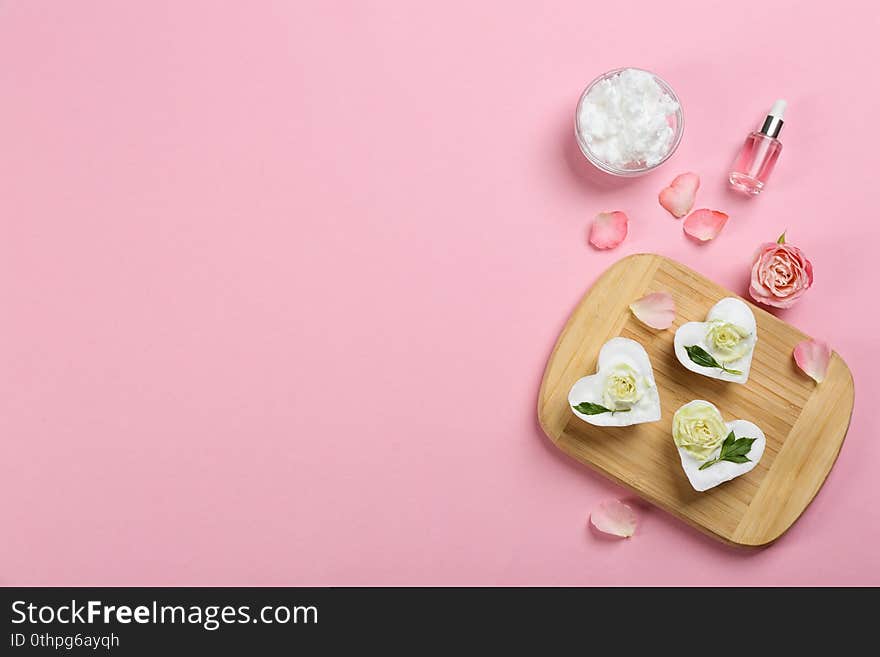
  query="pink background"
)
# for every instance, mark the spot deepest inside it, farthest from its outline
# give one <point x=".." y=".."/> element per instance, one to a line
<point x="278" y="281"/>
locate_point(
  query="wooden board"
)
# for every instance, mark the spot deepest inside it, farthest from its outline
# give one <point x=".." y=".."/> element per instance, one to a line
<point x="805" y="423"/>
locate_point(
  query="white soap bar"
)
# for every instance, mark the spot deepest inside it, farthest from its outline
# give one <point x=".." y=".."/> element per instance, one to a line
<point x="733" y="311"/>
<point x="722" y="471"/>
<point x="630" y="356"/>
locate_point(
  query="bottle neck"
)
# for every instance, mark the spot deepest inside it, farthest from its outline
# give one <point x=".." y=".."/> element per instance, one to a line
<point x="772" y="126"/>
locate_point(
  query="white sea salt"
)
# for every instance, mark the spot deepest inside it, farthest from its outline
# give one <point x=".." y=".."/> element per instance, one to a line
<point x="623" y="120"/>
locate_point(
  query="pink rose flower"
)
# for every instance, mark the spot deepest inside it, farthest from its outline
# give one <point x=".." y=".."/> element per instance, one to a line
<point x="781" y="274"/>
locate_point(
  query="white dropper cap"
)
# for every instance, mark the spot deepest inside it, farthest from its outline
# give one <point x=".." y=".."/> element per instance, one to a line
<point x="778" y="109"/>
<point x="773" y="122"/>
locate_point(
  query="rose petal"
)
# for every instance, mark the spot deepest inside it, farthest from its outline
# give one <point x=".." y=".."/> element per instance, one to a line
<point x="813" y="356"/>
<point x="614" y="517"/>
<point x="679" y="197"/>
<point x="608" y="229"/>
<point x="705" y="225"/>
<point x="657" y="310"/>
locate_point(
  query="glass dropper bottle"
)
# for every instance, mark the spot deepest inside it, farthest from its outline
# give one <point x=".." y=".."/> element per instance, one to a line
<point x="759" y="153"/>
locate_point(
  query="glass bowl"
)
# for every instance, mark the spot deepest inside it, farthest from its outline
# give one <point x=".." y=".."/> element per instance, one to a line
<point x="675" y="120"/>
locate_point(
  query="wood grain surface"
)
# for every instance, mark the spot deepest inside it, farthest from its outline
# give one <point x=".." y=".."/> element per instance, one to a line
<point x="805" y="423"/>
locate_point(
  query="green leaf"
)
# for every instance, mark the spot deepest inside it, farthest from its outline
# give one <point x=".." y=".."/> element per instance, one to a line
<point x="781" y="239"/>
<point x="740" y="447"/>
<point x="727" y="442"/>
<point x="589" y="408"/>
<point x="733" y="449"/>
<point x="701" y="357"/>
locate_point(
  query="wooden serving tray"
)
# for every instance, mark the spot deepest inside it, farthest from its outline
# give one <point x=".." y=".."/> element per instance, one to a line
<point x="805" y="423"/>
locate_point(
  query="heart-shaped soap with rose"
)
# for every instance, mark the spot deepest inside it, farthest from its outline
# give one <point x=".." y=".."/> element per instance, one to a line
<point x="722" y="346"/>
<point x="622" y="392"/>
<point x="713" y="451"/>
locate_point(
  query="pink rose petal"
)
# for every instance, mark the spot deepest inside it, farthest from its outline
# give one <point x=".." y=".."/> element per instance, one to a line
<point x="608" y="229"/>
<point x="614" y="517"/>
<point x="657" y="310"/>
<point x="813" y="356"/>
<point x="704" y="225"/>
<point x="679" y="197"/>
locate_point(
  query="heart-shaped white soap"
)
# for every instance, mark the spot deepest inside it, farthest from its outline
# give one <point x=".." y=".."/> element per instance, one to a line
<point x="721" y="471"/>
<point x="616" y="356"/>
<point x="729" y="310"/>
